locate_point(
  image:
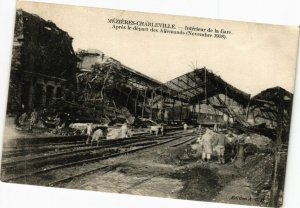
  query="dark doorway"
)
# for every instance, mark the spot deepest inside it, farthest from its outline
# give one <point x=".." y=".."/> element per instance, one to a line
<point x="49" y="94"/>
<point x="58" y="92"/>
<point x="25" y="94"/>
<point x="38" y="96"/>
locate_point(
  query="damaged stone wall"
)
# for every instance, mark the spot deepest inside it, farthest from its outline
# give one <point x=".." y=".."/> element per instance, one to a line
<point x="43" y="63"/>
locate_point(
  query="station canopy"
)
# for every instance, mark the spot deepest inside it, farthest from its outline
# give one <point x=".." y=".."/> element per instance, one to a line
<point x="191" y="88"/>
<point x="200" y="84"/>
<point x="271" y="101"/>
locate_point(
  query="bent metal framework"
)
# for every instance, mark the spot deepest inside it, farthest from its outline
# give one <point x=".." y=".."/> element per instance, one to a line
<point x="149" y="104"/>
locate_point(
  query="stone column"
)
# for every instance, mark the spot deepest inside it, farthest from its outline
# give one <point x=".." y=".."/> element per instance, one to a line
<point x="54" y="91"/>
<point x="63" y="88"/>
<point x="44" y="94"/>
<point x="31" y="96"/>
<point x="19" y="92"/>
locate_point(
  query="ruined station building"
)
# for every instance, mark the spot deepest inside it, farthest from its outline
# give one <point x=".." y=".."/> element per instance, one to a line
<point x="43" y="63"/>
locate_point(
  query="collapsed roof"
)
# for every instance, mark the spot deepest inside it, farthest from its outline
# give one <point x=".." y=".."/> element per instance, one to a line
<point x="191" y="88"/>
<point x="201" y="84"/>
<point x="270" y="101"/>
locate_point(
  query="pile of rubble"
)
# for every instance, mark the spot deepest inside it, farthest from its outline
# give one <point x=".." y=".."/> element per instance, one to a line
<point x="258" y="170"/>
<point x="259" y="141"/>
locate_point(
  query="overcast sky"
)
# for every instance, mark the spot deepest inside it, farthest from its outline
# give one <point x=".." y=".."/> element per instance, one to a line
<point x="254" y="57"/>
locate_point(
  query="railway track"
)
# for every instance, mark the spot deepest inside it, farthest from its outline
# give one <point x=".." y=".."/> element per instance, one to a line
<point x="61" y="163"/>
<point x="41" y="141"/>
<point x="72" y="149"/>
<point x="44" y="146"/>
<point x="44" y="162"/>
<point x="59" y="140"/>
<point x="66" y="179"/>
<point x="185" y="142"/>
<point x="23" y="150"/>
<point x="67" y="155"/>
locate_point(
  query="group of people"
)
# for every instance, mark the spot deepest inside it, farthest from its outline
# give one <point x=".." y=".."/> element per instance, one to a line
<point x="209" y="141"/>
<point x="24" y="116"/>
<point x="95" y="134"/>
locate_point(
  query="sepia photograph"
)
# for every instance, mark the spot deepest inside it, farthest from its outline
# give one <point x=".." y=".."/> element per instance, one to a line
<point x="149" y="104"/>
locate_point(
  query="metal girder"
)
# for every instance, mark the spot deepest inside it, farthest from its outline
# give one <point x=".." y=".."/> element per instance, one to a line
<point x="189" y="87"/>
<point x="179" y="87"/>
<point x="192" y="78"/>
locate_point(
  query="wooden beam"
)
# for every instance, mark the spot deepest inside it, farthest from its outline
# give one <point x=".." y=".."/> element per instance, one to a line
<point x="180" y="116"/>
<point x="247" y="111"/>
<point x="144" y="103"/>
<point x="151" y="113"/>
<point x="128" y="97"/>
<point x="263" y="101"/>
<point x="136" y="99"/>
<point x="205" y="87"/>
<point x="277" y="158"/>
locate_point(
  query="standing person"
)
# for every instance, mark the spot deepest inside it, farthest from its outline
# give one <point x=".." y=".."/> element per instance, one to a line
<point x="200" y="127"/>
<point x="22" y="119"/>
<point x="216" y="127"/>
<point x="124" y="130"/>
<point x="33" y="119"/>
<point x="207" y="145"/>
<point x="220" y="147"/>
<point x="21" y="111"/>
<point x="185" y="126"/>
<point x="89" y="131"/>
<point x="162" y="129"/>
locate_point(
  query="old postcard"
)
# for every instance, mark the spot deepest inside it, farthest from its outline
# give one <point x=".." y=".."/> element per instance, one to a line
<point x="149" y="104"/>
